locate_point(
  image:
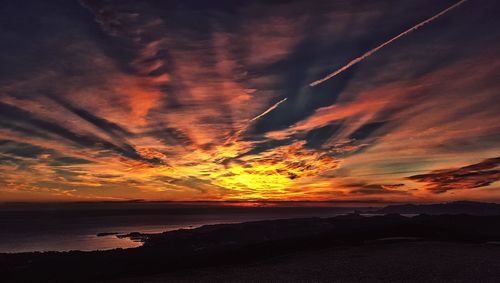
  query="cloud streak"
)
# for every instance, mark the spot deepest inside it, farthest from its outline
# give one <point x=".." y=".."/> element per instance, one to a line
<point x="268" y="110"/>
<point x="374" y="50"/>
<point x="477" y="175"/>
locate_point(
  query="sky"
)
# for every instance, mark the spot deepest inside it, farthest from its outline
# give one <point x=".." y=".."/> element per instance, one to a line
<point x="224" y="100"/>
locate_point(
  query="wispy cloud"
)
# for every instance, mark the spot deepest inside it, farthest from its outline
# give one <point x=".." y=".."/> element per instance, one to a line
<point x="477" y="175"/>
<point x="154" y="100"/>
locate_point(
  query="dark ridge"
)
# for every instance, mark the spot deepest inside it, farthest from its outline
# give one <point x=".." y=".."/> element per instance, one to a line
<point x="457" y="207"/>
<point x="226" y="244"/>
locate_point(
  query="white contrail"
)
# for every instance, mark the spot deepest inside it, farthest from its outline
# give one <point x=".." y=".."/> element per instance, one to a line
<point x="245" y="127"/>
<point x="269" y="109"/>
<point x="369" y="53"/>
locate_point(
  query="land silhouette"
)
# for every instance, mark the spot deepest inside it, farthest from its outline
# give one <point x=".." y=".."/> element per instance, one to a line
<point x="441" y="244"/>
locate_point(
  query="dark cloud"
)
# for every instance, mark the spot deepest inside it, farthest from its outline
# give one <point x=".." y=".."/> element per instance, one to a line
<point x="477" y="175"/>
<point x="83" y="140"/>
<point x="264" y="146"/>
<point x="376" y="189"/>
<point x="317" y="137"/>
<point x="17" y="149"/>
<point x="366" y="130"/>
<point x="67" y="160"/>
<point x="169" y="136"/>
<point x="108" y="127"/>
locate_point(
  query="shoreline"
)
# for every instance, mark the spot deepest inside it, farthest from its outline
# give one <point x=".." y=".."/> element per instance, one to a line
<point x="248" y="243"/>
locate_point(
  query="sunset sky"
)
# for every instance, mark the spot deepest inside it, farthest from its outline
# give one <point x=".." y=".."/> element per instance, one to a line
<point x="212" y="100"/>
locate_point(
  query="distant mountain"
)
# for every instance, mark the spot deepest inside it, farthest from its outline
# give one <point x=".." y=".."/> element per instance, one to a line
<point x="457" y="207"/>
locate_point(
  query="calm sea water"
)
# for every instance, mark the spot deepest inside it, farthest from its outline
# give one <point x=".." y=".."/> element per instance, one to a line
<point x="65" y="230"/>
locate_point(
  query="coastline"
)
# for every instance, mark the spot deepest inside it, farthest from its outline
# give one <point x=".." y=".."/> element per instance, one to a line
<point x="213" y="246"/>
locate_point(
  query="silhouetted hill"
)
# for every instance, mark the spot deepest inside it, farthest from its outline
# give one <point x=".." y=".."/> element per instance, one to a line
<point x="457" y="207"/>
<point x="229" y="244"/>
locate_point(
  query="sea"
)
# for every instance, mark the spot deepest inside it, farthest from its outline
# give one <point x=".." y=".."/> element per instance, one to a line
<point x="67" y="227"/>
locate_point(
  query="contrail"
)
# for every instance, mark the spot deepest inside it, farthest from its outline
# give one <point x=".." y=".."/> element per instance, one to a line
<point x="269" y="109"/>
<point x="371" y="52"/>
<point x="244" y="128"/>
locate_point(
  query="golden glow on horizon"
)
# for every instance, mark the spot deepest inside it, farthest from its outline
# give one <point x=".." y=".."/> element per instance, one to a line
<point x="170" y="112"/>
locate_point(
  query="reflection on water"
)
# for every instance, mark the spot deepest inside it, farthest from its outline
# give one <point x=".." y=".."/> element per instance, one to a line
<point x="61" y="242"/>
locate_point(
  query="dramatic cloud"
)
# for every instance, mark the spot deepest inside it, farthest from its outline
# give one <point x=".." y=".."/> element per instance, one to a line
<point x="187" y="100"/>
